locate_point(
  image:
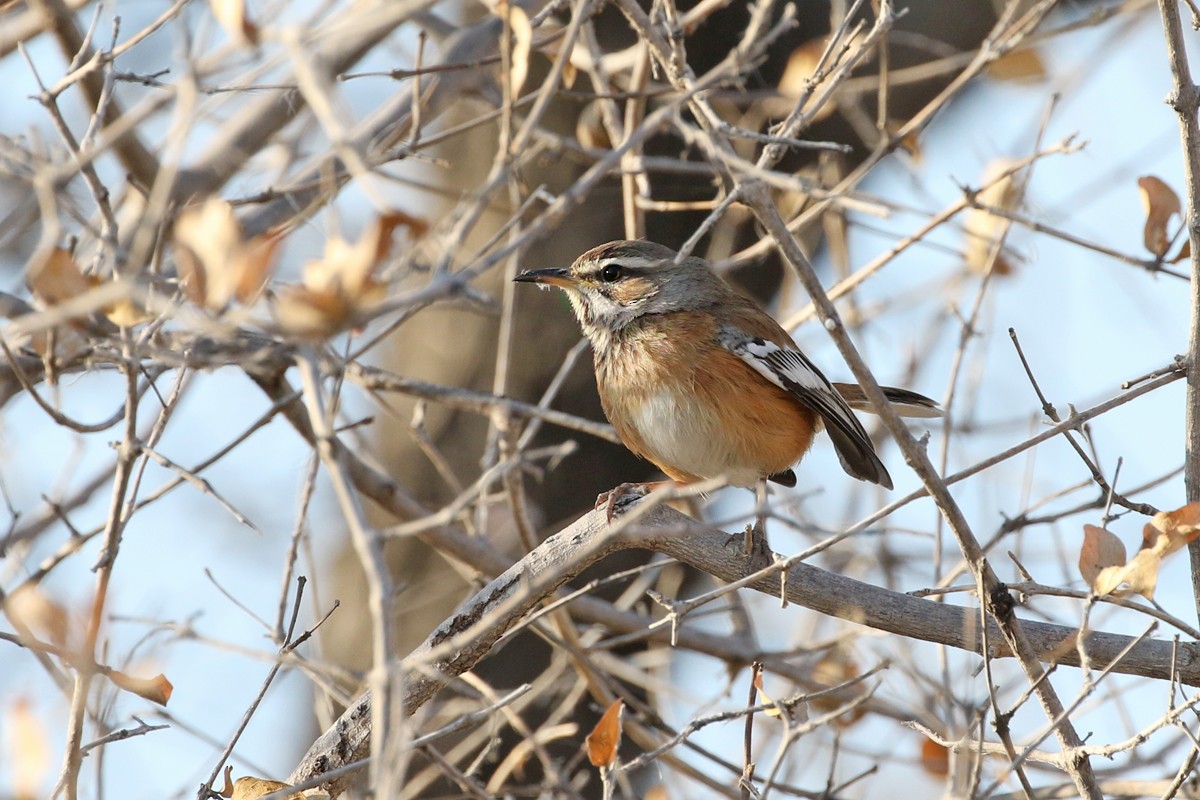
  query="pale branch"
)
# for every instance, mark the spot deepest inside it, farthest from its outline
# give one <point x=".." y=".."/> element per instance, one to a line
<point x="1185" y="99"/>
<point x="467" y="636"/>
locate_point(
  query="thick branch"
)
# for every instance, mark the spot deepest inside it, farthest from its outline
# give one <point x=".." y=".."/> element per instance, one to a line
<point x="467" y="636"/>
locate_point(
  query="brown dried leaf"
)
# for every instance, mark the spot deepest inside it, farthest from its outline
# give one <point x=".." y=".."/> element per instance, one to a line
<point x="29" y="608"/>
<point x="54" y="277"/>
<point x="1100" y="549"/>
<point x="984" y="228"/>
<point x="248" y="788"/>
<point x="1161" y="203"/>
<point x="589" y="128"/>
<point x="1166" y="533"/>
<point x="127" y="314"/>
<point x="1018" y="66"/>
<point x="800" y="70"/>
<point x="605" y="739"/>
<point x="216" y="264"/>
<point x="341" y="286"/>
<point x="231" y="16"/>
<point x="836" y="667"/>
<point x="157" y="689"/>
<point x="801" y="67"/>
<point x="772" y="709"/>
<point x="1139" y="576"/>
<point x="911" y="144"/>
<point x="935" y="758"/>
<point x="1184" y="252"/>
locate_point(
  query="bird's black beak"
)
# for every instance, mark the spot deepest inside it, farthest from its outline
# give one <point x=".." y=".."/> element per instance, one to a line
<point x="555" y="276"/>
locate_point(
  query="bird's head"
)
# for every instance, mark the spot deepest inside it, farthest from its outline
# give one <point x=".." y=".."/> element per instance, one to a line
<point x="613" y="285"/>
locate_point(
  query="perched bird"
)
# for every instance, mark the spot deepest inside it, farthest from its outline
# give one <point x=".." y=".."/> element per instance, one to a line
<point x="701" y="381"/>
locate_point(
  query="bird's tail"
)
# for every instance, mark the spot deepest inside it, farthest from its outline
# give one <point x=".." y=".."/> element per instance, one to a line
<point x="906" y="403"/>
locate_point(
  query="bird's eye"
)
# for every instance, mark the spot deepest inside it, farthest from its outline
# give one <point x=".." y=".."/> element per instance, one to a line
<point x="610" y="273"/>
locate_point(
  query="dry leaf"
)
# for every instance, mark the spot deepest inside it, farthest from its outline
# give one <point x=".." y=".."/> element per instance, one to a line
<point x="772" y="708"/>
<point x="157" y="689"/>
<point x="231" y="16"/>
<point x="341" y="287"/>
<point x="911" y="144"/>
<point x="54" y="277"/>
<point x="1018" y="66"/>
<point x="605" y="739"/>
<point x="26" y="750"/>
<point x="1166" y="533"/>
<point x="1100" y="549"/>
<point x="801" y="69"/>
<point x="248" y="788"/>
<point x="1139" y="576"/>
<point x="1161" y="203"/>
<point x="935" y="758"/>
<point x="522" y="31"/>
<point x="1184" y="252"/>
<point x="29" y="608"/>
<point x="589" y="128"/>
<point x="216" y="264"/>
<point x="836" y="667"/>
<point x="983" y="228"/>
<point x="1169" y="531"/>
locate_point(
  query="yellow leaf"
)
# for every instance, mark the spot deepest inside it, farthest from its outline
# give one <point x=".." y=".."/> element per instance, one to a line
<point x="1161" y="203"/>
<point x="1100" y="549"/>
<point x="604" y="740"/>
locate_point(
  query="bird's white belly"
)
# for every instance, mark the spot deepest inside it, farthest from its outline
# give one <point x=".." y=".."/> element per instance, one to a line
<point x="678" y="431"/>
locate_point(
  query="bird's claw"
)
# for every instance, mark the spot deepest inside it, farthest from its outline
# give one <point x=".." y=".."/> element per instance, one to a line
<point x="754" y="545"/>
<point x="615" y="500"/>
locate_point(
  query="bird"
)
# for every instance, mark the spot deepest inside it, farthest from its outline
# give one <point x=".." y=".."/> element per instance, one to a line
<point x="698" y="379"/>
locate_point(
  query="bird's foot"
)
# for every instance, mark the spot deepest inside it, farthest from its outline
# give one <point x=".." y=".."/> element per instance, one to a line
<point x="755" y="546"/>
<point x="616" y="500"/>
